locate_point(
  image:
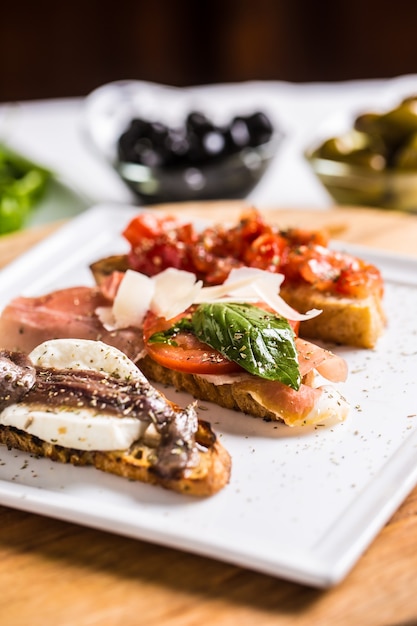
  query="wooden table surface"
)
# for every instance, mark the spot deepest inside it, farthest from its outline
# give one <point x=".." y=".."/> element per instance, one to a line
<point x="53" y="572"/>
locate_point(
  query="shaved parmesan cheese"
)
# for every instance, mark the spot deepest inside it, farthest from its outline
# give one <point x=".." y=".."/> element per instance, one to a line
<point x="264" y="286"/>
<point x="239" y="283"/>
<point x="133" y="299"/>
<point x="253" y="274"/>
<point x="106" y="317"/>
<point x="173" y="291"/>
<point x="279" y="305"/>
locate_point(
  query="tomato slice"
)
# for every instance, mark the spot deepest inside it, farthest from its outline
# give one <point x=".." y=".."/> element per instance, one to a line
<point x="189" y="354"/>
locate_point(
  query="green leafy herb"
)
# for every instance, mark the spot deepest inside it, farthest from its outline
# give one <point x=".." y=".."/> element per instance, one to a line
<point x="168" y="336"/>
<point x="260" y="342"/>
<point x="22" y="184"/>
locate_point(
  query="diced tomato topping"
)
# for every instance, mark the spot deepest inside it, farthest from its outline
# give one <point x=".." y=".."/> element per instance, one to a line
<point x="266" y="252"/>
<point x="301" y="237"/>
<point x="303" y="256"/>
<point x="147" y="226"/>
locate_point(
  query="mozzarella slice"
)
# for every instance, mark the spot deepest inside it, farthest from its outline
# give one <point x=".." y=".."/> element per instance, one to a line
<point x="83" y="429"/>
<point x="84" y="354"/>
<point x="74" y="428"/>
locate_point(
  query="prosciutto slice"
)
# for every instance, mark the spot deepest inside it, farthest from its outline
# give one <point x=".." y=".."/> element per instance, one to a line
<point x="294" y="407"/>
<point x="329" y="365"/>
<point x="67" y="313"/>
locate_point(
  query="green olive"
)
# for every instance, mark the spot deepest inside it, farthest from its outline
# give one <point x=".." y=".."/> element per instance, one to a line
<point x="354" y="148"/>
<point x="399" y="122"/>
<point x="337" y="148"/>
<point x="329" y="149"/>
<point x="368" y="123"/>
<point x="366" y="158"/>
<point x="378" y="141"/>
<point x="412" y="98"/>
<point x="406" y="157"/>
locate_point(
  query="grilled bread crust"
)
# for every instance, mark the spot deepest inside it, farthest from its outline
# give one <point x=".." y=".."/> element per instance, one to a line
<point x="357" y="322"/>
<point x="230" y="396"/>
<point x="210" y="475"/>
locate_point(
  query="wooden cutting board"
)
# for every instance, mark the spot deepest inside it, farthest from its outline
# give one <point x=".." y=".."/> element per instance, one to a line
<point x="387" y="230"/>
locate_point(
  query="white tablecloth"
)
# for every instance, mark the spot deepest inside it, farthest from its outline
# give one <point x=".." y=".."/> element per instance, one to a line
<point x="51" y="132"/>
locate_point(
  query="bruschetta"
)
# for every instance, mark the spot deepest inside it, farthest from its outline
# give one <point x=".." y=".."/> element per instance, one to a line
<point x="346" y="289"/>
<point x="234" y="344"/>
<point x="85" y="402"/>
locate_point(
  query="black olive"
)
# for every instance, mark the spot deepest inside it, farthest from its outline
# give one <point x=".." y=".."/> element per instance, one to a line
<point x="177" y="145"/>
<point x="196" y="151"/>
<point x="197" y="123"/>
<point x="199" y="140"/>
<point x="260" y="128"/>
<point x="238" y="134"/>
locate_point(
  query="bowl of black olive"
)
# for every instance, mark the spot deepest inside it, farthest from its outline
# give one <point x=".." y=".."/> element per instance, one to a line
<point x="184" y="153"/>
<point x="373" y="162"/>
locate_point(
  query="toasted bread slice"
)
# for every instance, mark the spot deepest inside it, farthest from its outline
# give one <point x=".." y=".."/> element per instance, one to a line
<point x="230" y="396"/>
<point x="84" y="402"/>
<point x="255" y="398"/>
<point x="103" y="268"/>
<point x="357" y="322"/>
<point x="210" y="475"/>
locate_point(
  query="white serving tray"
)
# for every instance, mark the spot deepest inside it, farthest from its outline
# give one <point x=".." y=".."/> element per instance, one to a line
<point x="302" y="504"/>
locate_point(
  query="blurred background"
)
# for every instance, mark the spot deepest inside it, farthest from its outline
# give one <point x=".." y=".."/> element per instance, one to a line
<point x="55" y="49"/>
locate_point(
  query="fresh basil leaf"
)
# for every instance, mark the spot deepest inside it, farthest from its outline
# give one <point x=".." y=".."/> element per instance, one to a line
<point x="260" y="342"/>
<point x="168" y="336"/>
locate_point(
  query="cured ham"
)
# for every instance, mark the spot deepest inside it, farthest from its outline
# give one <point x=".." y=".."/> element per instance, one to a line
<point x="329" y="365"/>
<point x="66" y="313"/>
<point x="307" y="406"/>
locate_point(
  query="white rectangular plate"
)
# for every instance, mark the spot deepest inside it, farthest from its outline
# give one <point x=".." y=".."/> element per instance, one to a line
<point x="302" y="504"/>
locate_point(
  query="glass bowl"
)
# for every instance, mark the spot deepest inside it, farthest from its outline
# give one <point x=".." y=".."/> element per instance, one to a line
<point x="110" y="109"/>
<point x="232" y="176"/>
<point x="353" y="185"/>
<point x="370" y="158"/>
